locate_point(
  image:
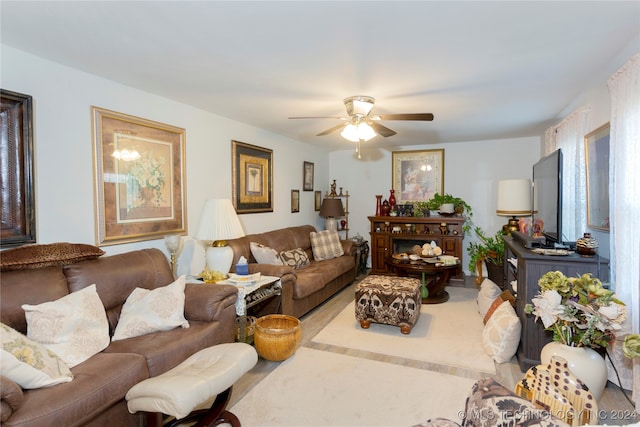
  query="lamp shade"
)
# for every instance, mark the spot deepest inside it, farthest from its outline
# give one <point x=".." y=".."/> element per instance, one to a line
<point x="219" y="221"/>
<point x="331" y="208"/>
<point x="514" y="197"/>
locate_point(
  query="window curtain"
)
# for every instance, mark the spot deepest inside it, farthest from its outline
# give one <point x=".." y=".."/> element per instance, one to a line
<point x="624" y="188"/>
<point x="568" y="135"/>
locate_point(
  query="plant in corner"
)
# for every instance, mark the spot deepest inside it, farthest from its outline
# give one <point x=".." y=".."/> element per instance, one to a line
<point x="489" y="250"/>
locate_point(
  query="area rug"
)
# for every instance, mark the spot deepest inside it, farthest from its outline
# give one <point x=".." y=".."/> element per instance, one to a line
<point x="319" y="388"/>
<point x="447" y="334"/>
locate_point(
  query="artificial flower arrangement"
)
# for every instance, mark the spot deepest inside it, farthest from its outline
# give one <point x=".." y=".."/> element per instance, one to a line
<point x="579" y="310"/>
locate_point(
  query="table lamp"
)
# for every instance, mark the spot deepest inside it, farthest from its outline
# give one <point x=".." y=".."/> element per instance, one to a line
<point x="330" y="210"/>
<point x="219" y="223"/>
<point x="514" y="199"/>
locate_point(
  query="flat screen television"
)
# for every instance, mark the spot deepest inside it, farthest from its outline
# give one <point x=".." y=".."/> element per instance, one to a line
<point x="547" y="196"/>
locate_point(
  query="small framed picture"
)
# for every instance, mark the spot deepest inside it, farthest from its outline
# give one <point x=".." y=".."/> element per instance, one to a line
<point x="596" y="147"/>
<point x="307" y="176"/>
<point x="295" y="201"/>
<point x="318" y="200"/>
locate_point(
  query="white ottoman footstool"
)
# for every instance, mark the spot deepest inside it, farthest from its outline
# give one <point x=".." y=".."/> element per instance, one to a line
<point x="207" y="373"/>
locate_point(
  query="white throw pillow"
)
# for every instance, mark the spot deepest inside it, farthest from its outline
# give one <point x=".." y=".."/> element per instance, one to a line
<point x="489" y="291"/>
<point x="29" y="364"/>
<point x="326" y="245"/>
<point x="146" y="311"/>
<point x="74" y="327"/>
<point x="265" y="254"/>
<point x="501" y="334"/>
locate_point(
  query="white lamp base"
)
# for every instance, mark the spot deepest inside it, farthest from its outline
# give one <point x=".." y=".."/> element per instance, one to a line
<point x="331" y="224"/>
<point x="219" y="258"/>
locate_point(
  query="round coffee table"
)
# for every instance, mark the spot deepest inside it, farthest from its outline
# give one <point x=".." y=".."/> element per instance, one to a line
<point x="435" y="277"/>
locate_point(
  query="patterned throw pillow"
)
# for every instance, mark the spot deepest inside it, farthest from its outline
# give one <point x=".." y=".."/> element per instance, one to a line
<point x="501" y="334"/>
<point x="74" y="327"/>
<point x="29" y="364"/>
<point x="264" y="254"/>
<point x="326" y="245"/>
<point x="146" y="311"/>
<point x="489" y="291"/>
<point x="295" y="258"/>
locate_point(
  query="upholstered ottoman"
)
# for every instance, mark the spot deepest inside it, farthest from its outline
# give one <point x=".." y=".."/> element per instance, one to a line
<point x="389" y="300"/>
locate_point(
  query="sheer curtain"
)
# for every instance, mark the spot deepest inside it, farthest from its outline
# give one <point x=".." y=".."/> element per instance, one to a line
<point x="624" y="187"/>
<point x="568" y="135"/>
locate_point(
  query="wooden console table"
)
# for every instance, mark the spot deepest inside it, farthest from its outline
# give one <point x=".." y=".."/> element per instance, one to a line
<point x="395" y="234"/>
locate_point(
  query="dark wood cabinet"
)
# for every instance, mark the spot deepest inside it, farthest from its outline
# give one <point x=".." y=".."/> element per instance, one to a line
<point x="391" y="235"/>
<point x="528" y="269"/>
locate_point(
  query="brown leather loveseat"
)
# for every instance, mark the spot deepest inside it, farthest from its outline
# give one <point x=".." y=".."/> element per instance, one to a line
<point x="95" y="397"/>
<point x="309" y="286"/>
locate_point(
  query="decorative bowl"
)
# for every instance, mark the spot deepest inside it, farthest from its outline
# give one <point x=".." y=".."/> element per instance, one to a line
<point x="277" y="336"/>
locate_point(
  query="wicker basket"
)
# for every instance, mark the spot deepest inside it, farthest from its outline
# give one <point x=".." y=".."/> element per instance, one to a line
<point x="277" y="336"/>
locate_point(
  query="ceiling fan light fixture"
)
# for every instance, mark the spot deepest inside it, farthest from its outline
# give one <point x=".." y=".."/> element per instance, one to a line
<point x="359" y="105"/>
<point x="359" y="132"/>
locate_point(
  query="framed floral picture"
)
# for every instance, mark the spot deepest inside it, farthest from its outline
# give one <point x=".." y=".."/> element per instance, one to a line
<point x="139" y="178"/>
<point x="252" y="178"/>
<point x="417" y="175"/>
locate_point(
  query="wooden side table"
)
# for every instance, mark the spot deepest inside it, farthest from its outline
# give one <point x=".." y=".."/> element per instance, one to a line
<point x="434" y="277"/>
<point x="362" y="255"/>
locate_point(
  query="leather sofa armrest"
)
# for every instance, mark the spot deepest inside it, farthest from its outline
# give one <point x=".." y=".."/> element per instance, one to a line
<point x="206" y="302"/>
<point x="12" y="396"/>
<point x="348" y="247"/>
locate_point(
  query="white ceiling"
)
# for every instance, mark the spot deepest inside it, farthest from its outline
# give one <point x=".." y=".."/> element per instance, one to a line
<point x="486" y="70"/>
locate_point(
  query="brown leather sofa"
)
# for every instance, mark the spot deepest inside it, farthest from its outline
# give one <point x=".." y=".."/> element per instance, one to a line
<point x="305" y="288"/>
<point x="95" y="397"/>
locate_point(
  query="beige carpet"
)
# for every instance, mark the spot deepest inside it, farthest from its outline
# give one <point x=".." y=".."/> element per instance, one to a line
<point x="319" y="388"/>
<point x="448" y="334"/>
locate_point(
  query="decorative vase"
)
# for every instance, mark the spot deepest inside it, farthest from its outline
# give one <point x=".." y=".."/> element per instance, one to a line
<point x="343" y="224"/>
<point x="392" y="198"/>
<point x="585" y="363"/>
<point x="586" y="245"/>
<point x="378" y="204"/>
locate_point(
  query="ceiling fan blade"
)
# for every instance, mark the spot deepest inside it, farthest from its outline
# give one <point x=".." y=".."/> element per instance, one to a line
<point x="333" y="129"/>
<point x="321" y="117"/>
<point x="427" y="117"/>
<point x="382" y="130"/>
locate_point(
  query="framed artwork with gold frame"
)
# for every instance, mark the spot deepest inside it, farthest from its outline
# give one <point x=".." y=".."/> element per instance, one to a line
<point x="596" y="155"/>
<point x="252" y="178"/>
<point x="140" y="188"/>
<point x="417" y="175"/>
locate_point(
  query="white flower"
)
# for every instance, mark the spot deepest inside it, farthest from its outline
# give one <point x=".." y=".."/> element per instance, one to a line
<point x="547" y="306"/>
<point x="616" y="313"/>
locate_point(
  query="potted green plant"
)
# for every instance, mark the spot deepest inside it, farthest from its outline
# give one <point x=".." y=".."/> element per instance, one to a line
<point x="490" y="250"/>
<point x="460" y="207"/>
<point x="420" y="209"/>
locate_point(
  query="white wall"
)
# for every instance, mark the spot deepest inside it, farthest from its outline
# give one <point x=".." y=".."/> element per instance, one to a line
<point x="472" y="171"/>
<point x="64" y="177"/>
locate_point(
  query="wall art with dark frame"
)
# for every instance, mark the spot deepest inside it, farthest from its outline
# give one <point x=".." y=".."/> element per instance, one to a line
<point x="17" y="170"/>
<point x="307" y="176"/>
<point x="139" y="178"/>
<point x="317" y="200"/>
<point x="596" y="149"/>
<point x="295" y="201"/>
<point x="252" y="178"/>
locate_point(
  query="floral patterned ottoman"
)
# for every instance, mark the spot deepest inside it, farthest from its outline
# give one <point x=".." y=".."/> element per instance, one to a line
<point x="388" y="300"/>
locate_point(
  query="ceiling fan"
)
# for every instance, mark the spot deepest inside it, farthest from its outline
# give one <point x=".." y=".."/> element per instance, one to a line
<point x="362" y="124"/>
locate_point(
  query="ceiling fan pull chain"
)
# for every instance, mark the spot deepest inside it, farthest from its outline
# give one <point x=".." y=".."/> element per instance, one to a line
<point x="358" y="148"/>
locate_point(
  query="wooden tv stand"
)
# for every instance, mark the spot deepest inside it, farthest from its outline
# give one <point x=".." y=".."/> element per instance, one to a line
<point x="394" y="234"/>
